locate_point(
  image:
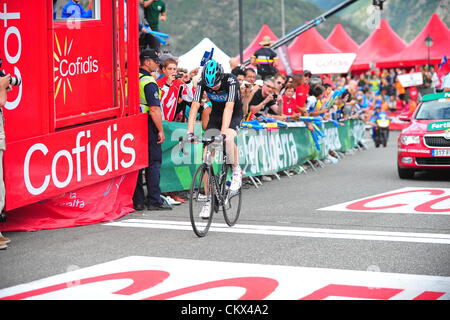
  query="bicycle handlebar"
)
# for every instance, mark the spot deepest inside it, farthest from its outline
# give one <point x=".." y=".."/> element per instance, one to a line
<point x="195" y="139"/>
<point x="218" y="138"/>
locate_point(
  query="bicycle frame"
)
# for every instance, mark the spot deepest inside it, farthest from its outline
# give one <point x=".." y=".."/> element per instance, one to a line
<point x="217" y="180"/>
<point x="213" y="186"/>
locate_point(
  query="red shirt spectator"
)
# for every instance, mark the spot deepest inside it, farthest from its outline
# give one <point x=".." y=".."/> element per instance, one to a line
<point x="169" y="98"/>
<point x="288" y="105"/>
<point x="289" y="102"/>
<point x="301" y="94"/>
<point x="302" y="91"/>
<point x="170" y="88"/>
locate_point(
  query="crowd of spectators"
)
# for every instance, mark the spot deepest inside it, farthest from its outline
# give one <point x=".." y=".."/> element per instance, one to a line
<point x="289" y="98"/>
<point x="265" y="92"/>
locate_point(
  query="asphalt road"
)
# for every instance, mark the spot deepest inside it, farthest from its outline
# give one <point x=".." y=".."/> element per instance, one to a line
<point x="290" y="202"/>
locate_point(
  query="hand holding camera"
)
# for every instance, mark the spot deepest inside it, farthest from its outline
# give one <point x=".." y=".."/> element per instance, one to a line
<point x="268" y="98"/>
<point x="14" y="81"/>
<point x="246" y="84"/>
<point x="5" y="82"/>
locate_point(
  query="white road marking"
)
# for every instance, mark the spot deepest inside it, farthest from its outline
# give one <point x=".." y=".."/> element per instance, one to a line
<point x="437" y="238"/>
<point x="138" y="277"/>
<point x="417" y="200"/>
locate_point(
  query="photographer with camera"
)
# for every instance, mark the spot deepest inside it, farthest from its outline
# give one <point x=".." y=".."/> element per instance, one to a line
<point x="186" y="93"/>
<point x="265" y="100"/>
<point x="5" y="86"/>
<point x="170" y="85"/>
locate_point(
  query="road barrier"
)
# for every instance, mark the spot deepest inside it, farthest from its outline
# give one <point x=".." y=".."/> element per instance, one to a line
<point x="261" y="152"/>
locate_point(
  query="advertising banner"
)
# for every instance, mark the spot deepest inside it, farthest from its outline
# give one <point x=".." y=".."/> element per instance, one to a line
<point x="100" y="202"/>
<point x="49" y="165"/>
<point x="328" y="62"/>
<point x="83" y="66"/>
<point x="24" y="55"/>
<point x="260" y="151"/>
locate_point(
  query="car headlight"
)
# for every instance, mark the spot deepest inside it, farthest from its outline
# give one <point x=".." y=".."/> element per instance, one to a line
<point x="406" y="140"/>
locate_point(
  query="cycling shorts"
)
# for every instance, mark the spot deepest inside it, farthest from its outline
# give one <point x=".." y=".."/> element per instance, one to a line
<point x="215" y="121"/>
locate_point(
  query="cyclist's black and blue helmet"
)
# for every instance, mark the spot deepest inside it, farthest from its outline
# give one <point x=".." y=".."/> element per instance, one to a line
<point x="212" y="73"/>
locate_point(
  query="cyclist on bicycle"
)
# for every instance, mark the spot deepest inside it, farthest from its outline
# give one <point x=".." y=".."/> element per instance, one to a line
<point x="223" y="91"/>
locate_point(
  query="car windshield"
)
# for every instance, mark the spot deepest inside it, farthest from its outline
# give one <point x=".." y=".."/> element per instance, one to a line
<point x="434" y="110"/>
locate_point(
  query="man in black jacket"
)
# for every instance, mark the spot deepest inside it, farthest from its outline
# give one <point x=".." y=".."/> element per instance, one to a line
<point x="265" y="59"/>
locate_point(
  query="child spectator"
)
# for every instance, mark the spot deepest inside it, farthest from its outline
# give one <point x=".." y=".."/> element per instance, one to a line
<point x="290" y="107"/>
<point x="314" y="104"/>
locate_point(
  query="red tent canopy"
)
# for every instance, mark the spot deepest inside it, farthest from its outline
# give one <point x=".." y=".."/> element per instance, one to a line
<point x="382" y="43"/>
<point x="416" y="53"/>
<point x="254" y="45"/>
<point x="310" y="42"/>
<point x="340" y="39"/>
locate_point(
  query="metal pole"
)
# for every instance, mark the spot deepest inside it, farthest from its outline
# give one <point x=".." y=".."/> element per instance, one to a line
<point x="313" y="23"/>
<point x="283" y="28"/>
<point x="241" y="34"/>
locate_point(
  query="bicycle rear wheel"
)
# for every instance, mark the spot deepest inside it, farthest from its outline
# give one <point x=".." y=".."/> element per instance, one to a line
<point x="232" y="200"/>
<point x="200" y="193"/>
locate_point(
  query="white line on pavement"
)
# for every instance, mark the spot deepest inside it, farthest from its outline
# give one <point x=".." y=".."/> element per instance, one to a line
<point x="291" y="231"/>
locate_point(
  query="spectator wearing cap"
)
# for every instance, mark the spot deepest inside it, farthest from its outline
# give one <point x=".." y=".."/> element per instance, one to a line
<point x="265" y="59"/>
<point x="150" y="96"/>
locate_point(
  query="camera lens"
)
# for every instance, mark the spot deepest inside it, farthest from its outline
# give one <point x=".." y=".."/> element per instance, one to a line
<point x="14" y="81"/>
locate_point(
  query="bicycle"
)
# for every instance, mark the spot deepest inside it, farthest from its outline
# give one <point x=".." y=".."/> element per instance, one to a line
<point x="205" y="183"/>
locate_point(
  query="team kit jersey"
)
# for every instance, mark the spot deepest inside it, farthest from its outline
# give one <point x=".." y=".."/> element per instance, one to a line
<point x="171" y="106"/>
<point x="228" y="91"/>
<point x="265" y="57"/>
<point x="169" y="98"/>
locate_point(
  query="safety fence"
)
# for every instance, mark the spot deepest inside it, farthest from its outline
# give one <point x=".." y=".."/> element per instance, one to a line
<point x="261" y="152"/>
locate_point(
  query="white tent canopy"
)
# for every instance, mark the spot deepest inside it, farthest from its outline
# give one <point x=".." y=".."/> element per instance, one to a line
<point x="191" y="59"/>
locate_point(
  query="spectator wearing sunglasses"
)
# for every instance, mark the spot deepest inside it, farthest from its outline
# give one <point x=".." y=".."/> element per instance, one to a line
<point x="264" y="101"/>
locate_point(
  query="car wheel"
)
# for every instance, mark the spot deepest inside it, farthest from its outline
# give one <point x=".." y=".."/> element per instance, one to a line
<point x="405" y="173"/>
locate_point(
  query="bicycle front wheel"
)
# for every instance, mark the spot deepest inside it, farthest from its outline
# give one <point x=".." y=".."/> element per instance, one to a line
<point x="232" y="200"/>
<point x="201" y="201"/>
